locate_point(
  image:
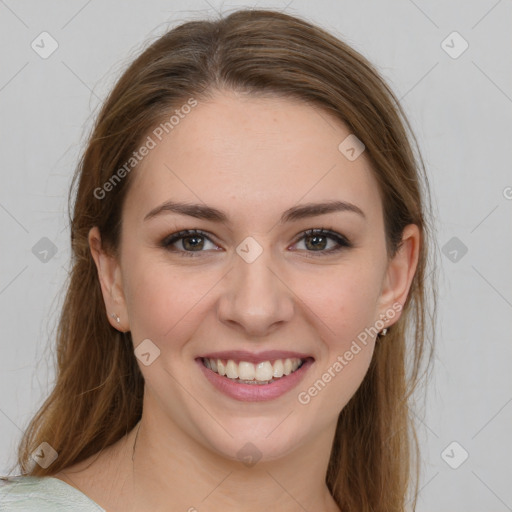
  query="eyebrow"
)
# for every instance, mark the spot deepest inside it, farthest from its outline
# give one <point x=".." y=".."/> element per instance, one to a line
<point x="201" y="211"/>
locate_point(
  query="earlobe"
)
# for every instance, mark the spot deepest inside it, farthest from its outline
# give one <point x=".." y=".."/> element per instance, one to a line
<point x="400" y="273"/>
<point x="110" y="278"/>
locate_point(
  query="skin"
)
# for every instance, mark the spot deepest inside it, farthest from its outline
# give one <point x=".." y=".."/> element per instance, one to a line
<point x="253" y="158"/>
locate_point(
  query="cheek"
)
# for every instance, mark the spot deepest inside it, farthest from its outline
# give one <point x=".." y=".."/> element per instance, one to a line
<point x="345" y="307"/>
<point x="166" y="301"/>
<point x="343" y="299"/>
<point x="163" y="301"/>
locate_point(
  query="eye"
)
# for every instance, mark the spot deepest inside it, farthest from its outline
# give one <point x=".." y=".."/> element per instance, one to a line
<point x="323" y="241"/>
<point x="188" y="242"/>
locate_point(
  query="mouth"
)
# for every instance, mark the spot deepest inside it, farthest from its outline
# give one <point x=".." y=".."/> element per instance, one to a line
<point x="246" y="372"/>
<point x="248" y="377"/>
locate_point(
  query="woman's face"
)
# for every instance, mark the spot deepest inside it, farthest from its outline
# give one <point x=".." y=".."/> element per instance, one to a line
<point x="250" y="286"/>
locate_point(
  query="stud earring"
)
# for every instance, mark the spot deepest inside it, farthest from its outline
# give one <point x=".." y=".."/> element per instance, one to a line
<point x="383" y="332"/>
<point x="115" y="317"/>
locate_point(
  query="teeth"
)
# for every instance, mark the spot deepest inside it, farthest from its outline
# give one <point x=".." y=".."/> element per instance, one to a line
<point x="246" y="371"/>
<point x="278" y="369"/>
<point x="232" y="370"/>
<point x="262" y="372"/>
<point x="287" y="367"/>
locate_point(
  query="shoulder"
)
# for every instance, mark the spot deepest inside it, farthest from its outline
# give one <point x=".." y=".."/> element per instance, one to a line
<point x="42" y="494"/>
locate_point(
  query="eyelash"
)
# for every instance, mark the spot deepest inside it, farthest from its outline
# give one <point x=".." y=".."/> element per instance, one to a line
<point x="342" y="241"/>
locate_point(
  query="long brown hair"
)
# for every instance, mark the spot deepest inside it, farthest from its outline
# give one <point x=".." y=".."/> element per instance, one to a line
<point x="98" y="393"/>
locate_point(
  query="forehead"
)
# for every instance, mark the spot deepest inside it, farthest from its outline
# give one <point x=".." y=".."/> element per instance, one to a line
<point x="267" y="153"/>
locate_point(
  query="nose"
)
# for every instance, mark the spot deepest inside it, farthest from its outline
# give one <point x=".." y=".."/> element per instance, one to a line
<point x="255" y="298"/>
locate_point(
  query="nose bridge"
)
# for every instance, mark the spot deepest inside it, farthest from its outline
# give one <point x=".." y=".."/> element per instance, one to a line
<point x="255" y="298"/>
<point x="255" y="282"/>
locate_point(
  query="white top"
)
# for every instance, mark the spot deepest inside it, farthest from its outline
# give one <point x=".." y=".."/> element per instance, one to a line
<point x="42" y="494"/>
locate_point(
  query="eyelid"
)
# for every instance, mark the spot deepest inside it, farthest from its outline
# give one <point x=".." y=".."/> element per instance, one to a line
<point x="342" y="241"/>
<point x="179" y="235"/>
<point x="324" y="232"/>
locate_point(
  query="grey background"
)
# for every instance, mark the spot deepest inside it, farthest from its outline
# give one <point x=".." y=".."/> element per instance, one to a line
<point x="460" y="109"/>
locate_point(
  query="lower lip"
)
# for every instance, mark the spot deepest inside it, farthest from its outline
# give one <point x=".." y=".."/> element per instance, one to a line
<point x="255" y="392"/>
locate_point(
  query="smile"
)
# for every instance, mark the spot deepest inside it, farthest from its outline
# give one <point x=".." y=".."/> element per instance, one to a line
<point x="246" y="372"/>
<point x="250" y="378"/>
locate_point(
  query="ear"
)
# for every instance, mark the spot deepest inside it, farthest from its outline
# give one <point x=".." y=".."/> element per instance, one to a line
<point x="110" y="276"/>
<point x="399" y="274"/>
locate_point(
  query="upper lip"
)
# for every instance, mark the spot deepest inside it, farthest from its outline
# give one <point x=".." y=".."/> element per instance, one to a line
<point x="253" y="357"/>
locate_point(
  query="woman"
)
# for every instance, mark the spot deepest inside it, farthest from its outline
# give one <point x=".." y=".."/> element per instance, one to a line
<point x="250" y="240"/>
